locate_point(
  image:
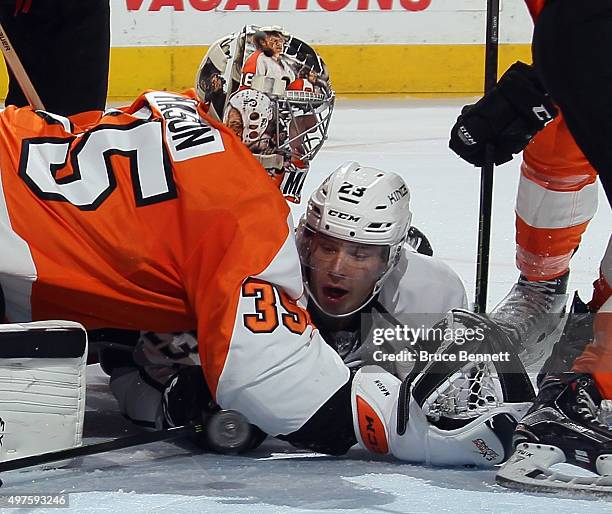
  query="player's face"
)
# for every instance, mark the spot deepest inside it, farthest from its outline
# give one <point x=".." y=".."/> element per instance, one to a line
<point x="275" y="43"/>
<point x="343" y="274"/>
<point x="234" y="122"/>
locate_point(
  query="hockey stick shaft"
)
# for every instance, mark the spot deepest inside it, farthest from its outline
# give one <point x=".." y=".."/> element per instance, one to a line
<point x="486" y="172"/>
<point x="19" y="71"/>
<point x="106" y="446"/>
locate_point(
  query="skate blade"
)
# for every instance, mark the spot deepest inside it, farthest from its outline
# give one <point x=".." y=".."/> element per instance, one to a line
<point x="529" y="470"/>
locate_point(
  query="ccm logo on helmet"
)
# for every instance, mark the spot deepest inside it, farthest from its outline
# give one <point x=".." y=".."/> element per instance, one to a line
<point x="343" y="215"/>
<point x="398" y="194"/>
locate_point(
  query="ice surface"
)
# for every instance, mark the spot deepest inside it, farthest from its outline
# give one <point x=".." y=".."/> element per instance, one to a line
<point x="409" y="137"/>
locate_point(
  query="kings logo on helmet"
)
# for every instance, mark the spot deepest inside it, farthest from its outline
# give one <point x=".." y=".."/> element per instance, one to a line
<point x="398" y="194"/>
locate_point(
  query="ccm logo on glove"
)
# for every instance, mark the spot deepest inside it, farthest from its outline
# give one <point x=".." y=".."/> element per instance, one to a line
<point x="371" y="428"/>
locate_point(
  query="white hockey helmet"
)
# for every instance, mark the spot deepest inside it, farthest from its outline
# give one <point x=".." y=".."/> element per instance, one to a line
<point x="360" y="205"/>
<point x="301" y="108"/>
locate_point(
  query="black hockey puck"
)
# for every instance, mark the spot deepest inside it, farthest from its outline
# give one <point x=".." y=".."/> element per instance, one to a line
<point x="228" y="431"/>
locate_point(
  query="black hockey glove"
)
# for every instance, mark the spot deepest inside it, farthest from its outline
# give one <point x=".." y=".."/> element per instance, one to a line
<point x="187" y="400"/>
<point x="507" y="117"/>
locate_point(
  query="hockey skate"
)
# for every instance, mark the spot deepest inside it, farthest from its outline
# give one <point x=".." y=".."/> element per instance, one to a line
<point x="563" y="426"/>
<point x="531" y="315"/>
<point x="577" y="334"/>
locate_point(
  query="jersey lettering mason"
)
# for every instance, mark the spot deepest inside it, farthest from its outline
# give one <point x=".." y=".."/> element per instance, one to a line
<point x="151" y="217"/>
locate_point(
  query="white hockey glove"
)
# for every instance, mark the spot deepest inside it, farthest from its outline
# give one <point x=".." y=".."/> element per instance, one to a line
<point x="42" y="384"/>
<point x="447" y="413"/>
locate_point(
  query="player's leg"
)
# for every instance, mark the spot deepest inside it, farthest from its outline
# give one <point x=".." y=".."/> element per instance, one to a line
<point x="42" y="379"/>
<point x="572" y="43"/>
<point x="557" y="197"/>
<point x="574" y="350"/>
<point x="69" y="68"/>
<point x="571" y="48"/>
<point x="562" y="426"/>
<point x="568" y="421"/>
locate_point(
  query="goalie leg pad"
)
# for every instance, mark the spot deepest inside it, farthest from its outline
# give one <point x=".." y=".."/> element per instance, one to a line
<point x="42" y="379"/>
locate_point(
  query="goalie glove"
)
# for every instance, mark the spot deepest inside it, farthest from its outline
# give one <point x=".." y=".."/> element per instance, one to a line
<point x="482" y="442"/>
<point x="448" y="412"/>
<point x="507" y="117"/>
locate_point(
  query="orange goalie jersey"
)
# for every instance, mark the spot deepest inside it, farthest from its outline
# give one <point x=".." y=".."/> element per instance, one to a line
<point x="155" y="217"/>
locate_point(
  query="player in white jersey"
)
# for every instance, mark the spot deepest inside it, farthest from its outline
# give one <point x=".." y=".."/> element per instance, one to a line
<point x="360" y="272"/>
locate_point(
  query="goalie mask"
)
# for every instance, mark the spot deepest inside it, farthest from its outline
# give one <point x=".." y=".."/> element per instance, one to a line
<point x="289" y="73"/>
<point x="351" y="237"/>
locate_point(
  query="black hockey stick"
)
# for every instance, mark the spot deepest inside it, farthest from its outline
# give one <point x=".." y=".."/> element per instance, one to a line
<point x="106" y="446"/>
<point x="486" y="172"/>
<point x="225" y="431"/>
